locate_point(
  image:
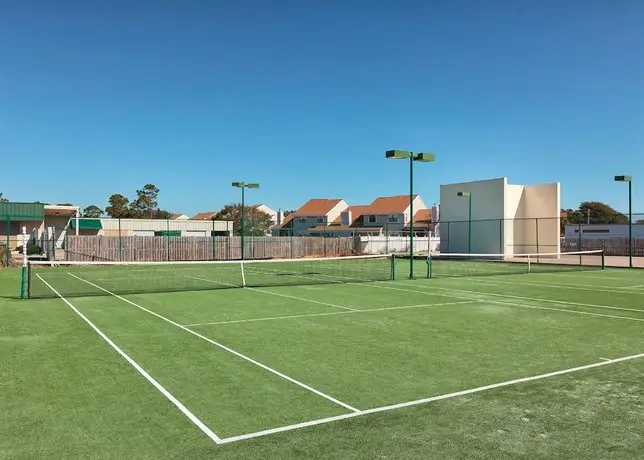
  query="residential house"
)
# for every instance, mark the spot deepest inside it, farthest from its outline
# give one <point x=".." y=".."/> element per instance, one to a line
<point x="178" y="217"/>
<point x="349" y="223"/>
<point x="276" y="216"/>
<point x="392" y="213"/>
<point x="314" y="213"/>
<point x="208" y="215"/>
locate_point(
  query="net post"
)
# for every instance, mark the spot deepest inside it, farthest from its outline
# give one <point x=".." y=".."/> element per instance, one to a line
<point x="67" y="245"/>
<point x="393" y="267"/>
<point x="603" y="259"/>
<point x="429" y="264"/>
<point x="23" y="281"/>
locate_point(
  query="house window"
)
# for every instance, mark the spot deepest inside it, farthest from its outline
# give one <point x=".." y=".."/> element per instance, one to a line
<point x="394" y="219"/>
<point x="301" y="220"/>
<point x="320" y="220"/>
<point x="372" y="219"/>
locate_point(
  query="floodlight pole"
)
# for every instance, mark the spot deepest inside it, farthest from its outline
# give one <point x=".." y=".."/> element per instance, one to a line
<point x="629" y="179"/>
<point x="411" y="215"/>
<point x="243" y="185"/>
<point x="469" y="219"/>
<point x="426" y="157"/>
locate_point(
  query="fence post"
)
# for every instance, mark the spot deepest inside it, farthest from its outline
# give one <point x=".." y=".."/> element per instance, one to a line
<point x="120" y="242"/>
<point x="67" y="245"/>
<point x="579" y="236"/>
<point x="324" y="239"/>
<point x="291" y="242"/>
<point x="167" y="226"/>
<point x="214" y="241"/>
<point x="7" y="249"/>
<point x="536" y="232"/>
<point x="386" y="237"/>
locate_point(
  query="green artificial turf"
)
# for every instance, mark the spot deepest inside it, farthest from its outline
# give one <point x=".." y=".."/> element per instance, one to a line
<point x="66" y="393"/>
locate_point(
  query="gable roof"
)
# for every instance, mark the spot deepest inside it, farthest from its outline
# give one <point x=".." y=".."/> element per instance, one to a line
<point x="314" y="207"/>
<point x="356" y="213"/>
<point x="423" y="216"/>
<point x="387" y="204"/>
<point x="204" y="215"/>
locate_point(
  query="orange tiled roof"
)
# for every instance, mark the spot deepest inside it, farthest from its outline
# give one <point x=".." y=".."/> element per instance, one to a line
<point x="387" y="204"/>
<point x="204" y="215"/>
<point x="314" y="207"/>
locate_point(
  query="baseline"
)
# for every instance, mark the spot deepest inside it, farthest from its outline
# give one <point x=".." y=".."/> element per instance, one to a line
<point x="192" y="417"/>
<point x="429" y="400"/>
<point x="224" y="347"/>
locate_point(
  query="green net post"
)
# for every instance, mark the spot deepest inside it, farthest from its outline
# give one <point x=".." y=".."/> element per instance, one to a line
<point x="23" y="283"/>
<point x="393" y="266"/>
<point x="120" y="242"/>
<point x="67" y="245"/>
<point x="603" y="260"/>
<point x="53" y="243"/>
<point x="429" y="265"/>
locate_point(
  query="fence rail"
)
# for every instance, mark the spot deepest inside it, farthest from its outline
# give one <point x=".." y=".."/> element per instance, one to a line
<point x="163" y="248"/>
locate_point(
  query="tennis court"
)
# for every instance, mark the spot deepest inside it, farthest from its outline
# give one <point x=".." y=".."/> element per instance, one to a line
<point x="319" y="358"/>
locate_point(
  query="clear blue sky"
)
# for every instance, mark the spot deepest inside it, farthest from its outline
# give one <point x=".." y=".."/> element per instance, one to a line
<point x="103" y="97"/>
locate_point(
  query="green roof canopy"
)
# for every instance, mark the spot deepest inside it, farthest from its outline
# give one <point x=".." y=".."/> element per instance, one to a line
<point x="22" y="211"/>
<point x="87" y="224"/>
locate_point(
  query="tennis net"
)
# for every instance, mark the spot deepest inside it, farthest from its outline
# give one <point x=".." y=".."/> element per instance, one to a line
<point x="74" y="279"/>
<point x="454" y="265"/>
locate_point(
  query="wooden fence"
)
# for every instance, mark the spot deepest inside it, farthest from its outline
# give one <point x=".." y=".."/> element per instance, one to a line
<point x="164" y="248"/>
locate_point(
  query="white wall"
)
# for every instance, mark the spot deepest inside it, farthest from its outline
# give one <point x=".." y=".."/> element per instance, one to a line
<point x="513" y="210"/>
<point x="507" y="218"/>
<point x="538" y="229"/>
<point x="597" y="231"/>
<point x="488" y="209"/>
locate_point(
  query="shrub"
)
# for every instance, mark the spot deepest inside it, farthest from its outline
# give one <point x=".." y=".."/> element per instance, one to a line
<point x="31" y="249"/>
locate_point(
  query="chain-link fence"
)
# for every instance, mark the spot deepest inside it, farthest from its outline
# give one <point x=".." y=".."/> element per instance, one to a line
<point x="612" y="234"/>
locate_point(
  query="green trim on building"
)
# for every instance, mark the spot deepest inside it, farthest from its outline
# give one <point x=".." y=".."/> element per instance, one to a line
<point x="87" y="224"/>
<point x="168" y="233"/>
<point x="22" y="211"/>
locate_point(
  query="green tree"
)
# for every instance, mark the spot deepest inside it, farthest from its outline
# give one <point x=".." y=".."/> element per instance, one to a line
<point x="118" y="206"/>
<point x="595" y="212"/>
<point x="146" y="203"/>
<point x="256" y="222"/>
<point x="64" y="204"/>
<point x="3" y="199"/>
<point x="92" y="211"/>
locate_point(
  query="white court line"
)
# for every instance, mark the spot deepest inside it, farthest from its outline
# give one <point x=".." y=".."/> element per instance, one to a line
<point x="274" y="293"/>
<point x="509" y="303"/>
<point x="428" y="400"/>
<point x="530" y="299"/>
<point x="224" y="347"/>
<point x="270" y="318"/>
<point x="573" y="286"/>
<point x="193" y="418"/>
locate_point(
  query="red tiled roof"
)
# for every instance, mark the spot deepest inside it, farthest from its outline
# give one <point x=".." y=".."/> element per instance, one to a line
<point x="204" y="215"/>
<point x="423" y="216"/>
<point x="387" y="204"/>
<point x="314" y="207"/>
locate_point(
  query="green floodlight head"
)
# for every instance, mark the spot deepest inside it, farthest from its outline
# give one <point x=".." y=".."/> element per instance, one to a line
<point x="623" y="178"/>
<point x="397" y="154"/>
<point x="465" y="194"/>
<point x="253" y="185"/>
<point x="238" y="184"/>
<point x="427" y="157"/>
